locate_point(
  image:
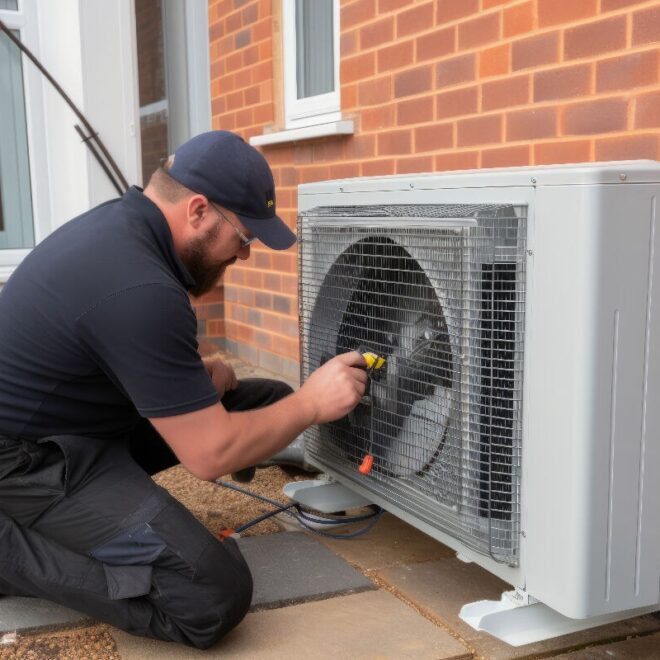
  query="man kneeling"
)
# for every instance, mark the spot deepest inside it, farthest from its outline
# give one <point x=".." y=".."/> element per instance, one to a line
<point x="102" y="385"/>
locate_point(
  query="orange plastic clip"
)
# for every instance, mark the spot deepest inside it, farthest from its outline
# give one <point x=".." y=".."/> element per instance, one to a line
<point x="367" y="464"/>
<point x="225" y="533"/>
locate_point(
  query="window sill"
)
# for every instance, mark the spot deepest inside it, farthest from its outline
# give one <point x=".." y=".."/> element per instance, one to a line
<point x="342" y="127"/>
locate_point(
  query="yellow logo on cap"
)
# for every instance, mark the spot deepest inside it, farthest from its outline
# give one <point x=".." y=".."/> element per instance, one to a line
<point x="269" y="203"/>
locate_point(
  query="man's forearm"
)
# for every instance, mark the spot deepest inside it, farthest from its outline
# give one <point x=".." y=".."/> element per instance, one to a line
<point x="255" y="435"/>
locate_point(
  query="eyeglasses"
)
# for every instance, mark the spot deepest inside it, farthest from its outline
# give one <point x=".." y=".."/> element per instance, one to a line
<point x="245" y="241"/>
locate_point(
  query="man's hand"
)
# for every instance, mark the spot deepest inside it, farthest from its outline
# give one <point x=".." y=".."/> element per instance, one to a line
<point x="222" y="375"/>
<point x="334" y="389"/>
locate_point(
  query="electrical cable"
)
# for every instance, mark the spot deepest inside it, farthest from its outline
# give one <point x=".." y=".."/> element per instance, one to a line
<point x="264" y="516"/>
<point x="333" y="521"/>
<point x="239" y="489"/>
<point x="375" y="517"/>
<point x="305" y="519"/>
<point x="374" y="363"/>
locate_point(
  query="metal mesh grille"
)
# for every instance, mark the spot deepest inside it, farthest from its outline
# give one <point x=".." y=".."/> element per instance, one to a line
<point x="439" y="291"/>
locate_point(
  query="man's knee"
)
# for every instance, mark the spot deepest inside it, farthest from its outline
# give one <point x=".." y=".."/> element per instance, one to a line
<point x="226" y="583"/>
<point x="277" y="390"/>
<point x="253" y="393"/>
<point x="203" y="633"/>
<point x="282" y="389"/>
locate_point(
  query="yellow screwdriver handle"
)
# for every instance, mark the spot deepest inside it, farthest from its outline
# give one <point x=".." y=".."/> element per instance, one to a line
<point x="373" y="361"/>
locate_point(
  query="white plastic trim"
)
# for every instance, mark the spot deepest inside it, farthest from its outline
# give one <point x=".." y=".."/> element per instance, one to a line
<point x="342" y="127"/>
<point x="519" y="624"/>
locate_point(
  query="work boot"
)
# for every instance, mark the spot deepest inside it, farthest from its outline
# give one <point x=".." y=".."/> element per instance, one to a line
<point x="245" y="475"/>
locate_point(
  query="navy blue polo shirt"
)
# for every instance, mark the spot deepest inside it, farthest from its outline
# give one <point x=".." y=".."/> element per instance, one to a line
<point x="96" y="328"/>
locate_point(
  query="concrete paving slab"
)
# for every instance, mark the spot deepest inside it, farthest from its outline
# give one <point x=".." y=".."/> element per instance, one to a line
<point x="369" y="625"/>
<point x="390" y="542"/>
<point x="640" y="648"/>
<point x="24" y="615"/>
<point x="287" y="568"/>
<point x="441" y="588"/>
<point x="291" y="568"/>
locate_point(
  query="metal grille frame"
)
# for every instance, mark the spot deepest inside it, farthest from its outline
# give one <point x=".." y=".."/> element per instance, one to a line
<point x="445" y="425"/>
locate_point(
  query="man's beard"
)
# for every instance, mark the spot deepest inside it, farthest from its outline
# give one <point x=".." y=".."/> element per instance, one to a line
<point x="205" y="272"/>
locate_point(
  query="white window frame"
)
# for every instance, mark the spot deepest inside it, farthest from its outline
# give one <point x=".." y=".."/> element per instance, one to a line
<point x="320" y="109"/>
<point x="25" y="21"/>
<point x="99" y="73"/>
<point x="187" y="70"/>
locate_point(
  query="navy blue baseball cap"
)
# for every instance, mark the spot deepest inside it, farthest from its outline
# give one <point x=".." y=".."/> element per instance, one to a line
<point x="227" y="170"/>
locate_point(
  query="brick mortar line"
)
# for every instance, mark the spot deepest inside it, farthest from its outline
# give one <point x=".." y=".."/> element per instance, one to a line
<point x="568" y="100"/>
<point x="599" y="15"/>
<point x="499" y="41"/>
<point x="252" y="288"/>
<point x="226" y="55"/>
<point x="563" y="63"/>
<point x="487" y="146"/>
<point x="557" y="139"/>
<point x="231" y="14"/>
<point x="270" y="333"/>
<point x="479" y="83"/>
<point x="264" y="349"/>
<point x="550" y="139"/>
<point x="279" y="315"/>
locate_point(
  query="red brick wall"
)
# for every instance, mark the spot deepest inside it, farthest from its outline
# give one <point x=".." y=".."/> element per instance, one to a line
<point x="433" y="85"/>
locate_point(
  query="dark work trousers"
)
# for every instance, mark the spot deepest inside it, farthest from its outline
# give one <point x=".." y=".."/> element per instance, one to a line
<point x="83" y="524"/>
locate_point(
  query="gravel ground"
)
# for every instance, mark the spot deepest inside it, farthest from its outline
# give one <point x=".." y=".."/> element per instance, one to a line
<point x="95" y="643"/>
<point x="218" y="508"/>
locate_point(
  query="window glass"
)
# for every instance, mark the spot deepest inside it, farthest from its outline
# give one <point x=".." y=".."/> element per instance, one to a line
<point x="314" y="48"/>
<point x="16" y="222"/>
<point x="310" y="32"/>
<point x="11" y="5"/>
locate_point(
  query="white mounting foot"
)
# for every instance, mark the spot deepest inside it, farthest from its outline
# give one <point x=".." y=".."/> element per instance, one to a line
<point x="518" y="623"/>
<point x="324" y="495"/>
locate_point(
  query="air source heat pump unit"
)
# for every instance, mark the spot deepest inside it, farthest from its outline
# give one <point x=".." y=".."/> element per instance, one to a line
<point x="517" y="419"/>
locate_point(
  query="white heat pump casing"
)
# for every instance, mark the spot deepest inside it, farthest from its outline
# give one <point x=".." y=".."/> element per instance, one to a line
<point x="590" y="480"/>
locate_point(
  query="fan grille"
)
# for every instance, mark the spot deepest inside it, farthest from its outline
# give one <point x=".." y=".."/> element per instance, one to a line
<point x="439" y="291"/>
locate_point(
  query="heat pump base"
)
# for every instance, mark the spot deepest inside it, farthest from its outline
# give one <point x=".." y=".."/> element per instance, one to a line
<point x="524" y="624"/>
<point x="324" y="495"/>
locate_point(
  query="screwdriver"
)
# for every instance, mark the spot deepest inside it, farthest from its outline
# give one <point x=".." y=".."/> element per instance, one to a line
<point x="376" y="365"/>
